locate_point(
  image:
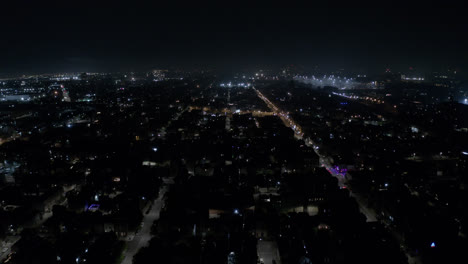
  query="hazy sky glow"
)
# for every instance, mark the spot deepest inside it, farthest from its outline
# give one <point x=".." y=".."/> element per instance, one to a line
<point x="43" y="36"/>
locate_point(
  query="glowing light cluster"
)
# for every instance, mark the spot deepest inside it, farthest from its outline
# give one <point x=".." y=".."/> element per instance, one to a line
<point x="334" y="81"/>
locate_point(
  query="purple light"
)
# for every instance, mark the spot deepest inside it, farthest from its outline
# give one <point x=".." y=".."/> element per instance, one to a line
<point x="93" y="207"/>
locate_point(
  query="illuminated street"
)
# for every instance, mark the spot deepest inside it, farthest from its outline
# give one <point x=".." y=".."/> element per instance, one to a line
<point x="142" y="238"/>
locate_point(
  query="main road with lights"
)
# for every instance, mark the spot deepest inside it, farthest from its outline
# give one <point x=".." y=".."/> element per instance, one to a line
<point x="325" y="161"/>
<point x="370" y="214"/>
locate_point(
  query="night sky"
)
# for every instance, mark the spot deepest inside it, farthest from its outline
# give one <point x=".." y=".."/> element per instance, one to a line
<point x="73" y="36"/>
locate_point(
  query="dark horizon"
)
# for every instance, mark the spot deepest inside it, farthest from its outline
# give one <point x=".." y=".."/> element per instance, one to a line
<point x="114" y="36"/>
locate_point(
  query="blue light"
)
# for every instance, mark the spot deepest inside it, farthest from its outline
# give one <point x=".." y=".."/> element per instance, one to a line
<point x="433" y="245"/>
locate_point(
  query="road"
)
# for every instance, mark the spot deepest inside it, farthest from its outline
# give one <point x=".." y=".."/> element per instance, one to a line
<point x="144" y="235"/>
<point x="162" y="131"/>
<point x="267" y="248"/>
<point x="284" y="116"/>
<point x="6" y="245"/>
<point x="289" y="122"/>
<point x="11" y="240"/>
<point x="370" y="214"/>
<point x="267" y="251"/>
